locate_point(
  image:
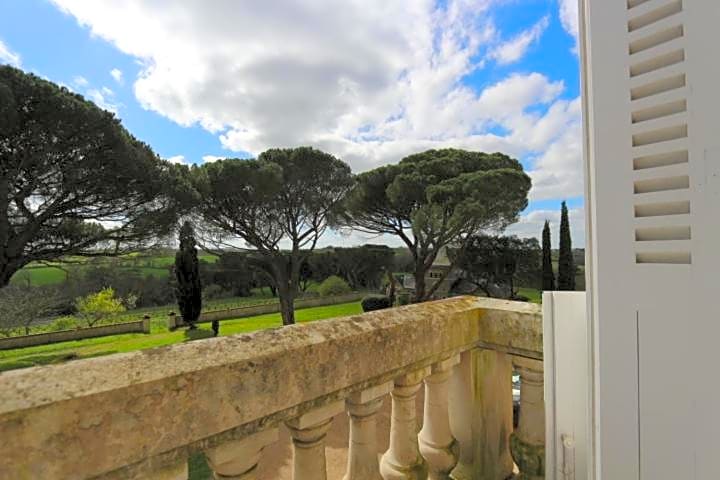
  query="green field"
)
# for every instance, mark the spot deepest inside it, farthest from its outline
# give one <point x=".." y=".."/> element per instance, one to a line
<point x="39" y="275"/>
<point x="159" y="336"/>
<point x="157" y="265"/>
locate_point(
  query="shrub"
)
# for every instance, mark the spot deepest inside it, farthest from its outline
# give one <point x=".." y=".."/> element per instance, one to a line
<point x="375" y="302"/>
<point x="63" y="323"/>
<point x="333" y="285"/>
<point x="98" y="306"/>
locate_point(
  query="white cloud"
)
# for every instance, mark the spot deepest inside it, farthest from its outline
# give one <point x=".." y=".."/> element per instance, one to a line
<point x="180" y="159"/>
<point x="558" y="171"/>
<point x="515" y="48"/>
<point x="8" y="56"/>
<point x="347" y="77"/>
<point x="104" y="98"/>
<point x="570" y="18"/>
<point x="80" y="81"/>
<point x="531" y="225"/>
<point x="117" y="74"/>
<point x="211" y="158"/>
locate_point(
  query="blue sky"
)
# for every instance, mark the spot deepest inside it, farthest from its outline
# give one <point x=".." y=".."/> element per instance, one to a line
<point x="369" y="83"/>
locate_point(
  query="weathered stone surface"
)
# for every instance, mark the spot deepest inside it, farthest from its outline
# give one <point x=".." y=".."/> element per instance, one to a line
<point x="122" y="415"/>
<point x="492" y="418"/>
<point x="513" y="327"/>
<point x="528" y="441"/>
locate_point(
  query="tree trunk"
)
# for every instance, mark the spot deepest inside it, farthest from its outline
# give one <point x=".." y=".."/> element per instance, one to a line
<point x="287" y="307"/>
<point x="285" y="292"/>
<point x="420" y="290"/>
<point x="391" y="287"/>
<point x="6" y="273"/>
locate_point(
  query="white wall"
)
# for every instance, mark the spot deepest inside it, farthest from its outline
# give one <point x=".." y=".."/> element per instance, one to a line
<point x="567" y="385"/>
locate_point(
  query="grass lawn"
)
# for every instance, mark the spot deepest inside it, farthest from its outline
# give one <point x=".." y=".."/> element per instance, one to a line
<point x="535" y="296"/>
<point x="39" y="276"/>
<point x="160" y="336"/>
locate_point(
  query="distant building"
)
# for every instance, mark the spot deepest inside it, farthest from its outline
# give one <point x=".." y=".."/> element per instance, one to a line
<point x="438" y="272"/>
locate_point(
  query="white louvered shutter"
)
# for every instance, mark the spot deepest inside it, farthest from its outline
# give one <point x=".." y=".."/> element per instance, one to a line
<point x="652" y="103"/>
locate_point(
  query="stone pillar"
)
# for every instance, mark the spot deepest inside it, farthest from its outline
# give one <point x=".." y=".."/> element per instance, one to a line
<point x="238" y="459"/>
<point x="175" y="471"/>
<point x="308" y="433"/>
<point x="437" y="445"/>
<point x="481" y="415"/>
<point x="362" y="409"/>
<point x="171" y="321"/>
<point x="146" y="324"/>
<point x="403" y="461"/>
<point x="528" y="441"/>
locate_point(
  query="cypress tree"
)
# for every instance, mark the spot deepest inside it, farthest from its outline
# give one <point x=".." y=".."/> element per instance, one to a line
<point x="566" y="263"/>
<point x="188" y="290"/>
<point x="548" y="276"/>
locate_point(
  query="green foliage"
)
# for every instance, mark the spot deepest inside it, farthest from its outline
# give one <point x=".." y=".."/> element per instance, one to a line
<point x="188" y="290"/>
<point x="286" y="194"/>
<point x="333" y="286"/>
<point x="63" y="323"/>
<point x="497" y="264"/>
<point x="548" y="276"/>
<point x="80" y="169"/>
<point x="234" y="272"/>
<point x="145" y="287"/>
<point x="441" y="197"/>
<point x="375" y="302"/>
<point x="362" y="267"/>
<point x="98" y="306"/>
<point x="566" y="262"/>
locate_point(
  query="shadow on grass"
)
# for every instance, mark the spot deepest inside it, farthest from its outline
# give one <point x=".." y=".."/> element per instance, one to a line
<point x="197" y="334"/>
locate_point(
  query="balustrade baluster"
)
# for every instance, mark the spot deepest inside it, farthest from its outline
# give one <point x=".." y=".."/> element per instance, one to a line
<point x="238" y="459"/>
<point x="308" y="433"/>
<point x="362" y="450"/>
<point x="527" y="443"/>
<point x="460" y="408"/>
<point x="437" y="445"/>
<point x="403" y="461"/>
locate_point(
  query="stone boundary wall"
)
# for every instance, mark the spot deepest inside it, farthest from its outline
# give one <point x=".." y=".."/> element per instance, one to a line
<point x="141" y="326"/>
<point x="175" y="321"/>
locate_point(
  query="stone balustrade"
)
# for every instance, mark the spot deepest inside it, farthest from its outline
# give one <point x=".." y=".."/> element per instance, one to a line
<point x="141" y="414"/>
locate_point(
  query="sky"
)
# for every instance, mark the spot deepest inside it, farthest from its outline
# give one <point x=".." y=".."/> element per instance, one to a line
<point x="369" y="81"/>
